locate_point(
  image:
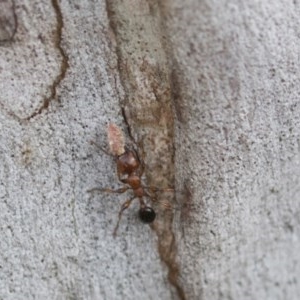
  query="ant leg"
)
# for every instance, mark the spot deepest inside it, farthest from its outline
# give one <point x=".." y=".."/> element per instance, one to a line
<point x="162" y="203"/>
<point x="107" y="190"/>
<point x="99" y="147"/>
<point x="153" y="198"/>
<point x="127" y="125"/>
<point x="141" y="159"/>
<point x="155" y="189"/>
<point x="142" y="168"/>
<point x="124" y="206"/>
<point x="119" y="174"/>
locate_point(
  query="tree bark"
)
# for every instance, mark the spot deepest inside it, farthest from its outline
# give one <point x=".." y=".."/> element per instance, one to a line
<point x="207" y="92"/>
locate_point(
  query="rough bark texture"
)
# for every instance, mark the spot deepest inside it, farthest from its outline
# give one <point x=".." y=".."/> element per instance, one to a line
<point x="238" y="138"/>
<point x="227" y="72"/>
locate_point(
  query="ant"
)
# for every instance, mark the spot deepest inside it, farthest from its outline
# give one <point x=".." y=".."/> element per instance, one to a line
<point x="130" y="169"/>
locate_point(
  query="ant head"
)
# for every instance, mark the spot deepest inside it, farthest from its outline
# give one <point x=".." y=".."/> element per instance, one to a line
<point x="147" y="214"/>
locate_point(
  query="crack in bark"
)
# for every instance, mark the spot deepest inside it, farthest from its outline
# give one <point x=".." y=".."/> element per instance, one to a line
<point x="64" y="64"/>
<point x="147" y="107"/>
<point x="126" y="123"/>
<point x="168" y="256"/>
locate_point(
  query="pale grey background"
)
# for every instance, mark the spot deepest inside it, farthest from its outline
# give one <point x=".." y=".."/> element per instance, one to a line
<point x="237" y="149"/>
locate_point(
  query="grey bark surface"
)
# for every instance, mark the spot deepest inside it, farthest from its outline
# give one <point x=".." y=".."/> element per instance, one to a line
<point x="235" y="83"/>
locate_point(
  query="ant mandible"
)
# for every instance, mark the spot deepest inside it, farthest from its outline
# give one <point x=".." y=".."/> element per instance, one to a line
<point x="130" y="169"/>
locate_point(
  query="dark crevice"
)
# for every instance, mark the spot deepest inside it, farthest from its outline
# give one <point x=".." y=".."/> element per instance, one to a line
<point x="168" y="256"/>
<point x="64" y="64"/>
<point x="126" y="123"/>
<point x="14" y="25"/>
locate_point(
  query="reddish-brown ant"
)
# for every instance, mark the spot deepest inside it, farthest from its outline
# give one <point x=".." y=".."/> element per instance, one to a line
<point x="130" y="169"/>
